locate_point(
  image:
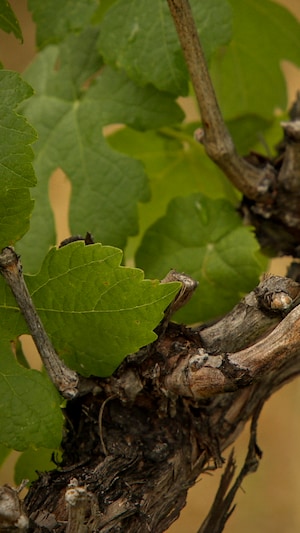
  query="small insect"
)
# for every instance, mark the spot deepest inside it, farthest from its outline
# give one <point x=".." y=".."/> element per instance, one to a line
<point x="88" y="239"/>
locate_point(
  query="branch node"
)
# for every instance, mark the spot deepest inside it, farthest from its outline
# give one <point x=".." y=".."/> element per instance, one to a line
<point x="255" y="183"/>
<point x="188" y="287"/>
<point x="81" y="506"/>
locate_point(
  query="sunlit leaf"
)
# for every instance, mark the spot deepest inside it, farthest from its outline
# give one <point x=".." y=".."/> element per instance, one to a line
<point x="95" y="311"/>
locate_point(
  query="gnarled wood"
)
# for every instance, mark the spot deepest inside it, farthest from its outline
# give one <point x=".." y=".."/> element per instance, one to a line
<point x="170" y="410"/>
<point x="136" y="442"/>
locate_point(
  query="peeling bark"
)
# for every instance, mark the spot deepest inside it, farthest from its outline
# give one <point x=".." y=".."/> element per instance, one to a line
<point x="136" y="444"/>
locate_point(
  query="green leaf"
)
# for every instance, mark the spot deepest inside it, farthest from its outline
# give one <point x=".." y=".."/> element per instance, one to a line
<point x="25" y="420"/>
<point x="16" y="156"/>
<point x="56" y="19"/>
<point x="248" y="131"/>
<point x="8" y="20"/>
<point x="247" y="73"/>
<point x="176" y="165"/>
<point x="103" y="6"/>
<point x="20" y="355"/>
<point x="95" y="311"/>
<point x="206" y="239"/>
<point x="139" y="37"/>
<point x="267" y="144"/>
<point x="31" y="462"/>
<point x="106" y="185"/>
<point x="12" y="322"/>
<point x="172" y="158"/>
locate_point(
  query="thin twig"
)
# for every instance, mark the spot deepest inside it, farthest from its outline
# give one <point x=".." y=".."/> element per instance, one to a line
<point x="65" y="380"/>
<point x="100" y="420"/>
<point x="223" y="507"/>
<point x="253" y="182"/>
<point x="219" y="514"/>
<point x="188" y="287"/>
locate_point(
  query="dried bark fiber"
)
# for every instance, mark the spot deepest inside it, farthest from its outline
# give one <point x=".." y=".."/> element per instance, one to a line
<point x="137" y="442"/>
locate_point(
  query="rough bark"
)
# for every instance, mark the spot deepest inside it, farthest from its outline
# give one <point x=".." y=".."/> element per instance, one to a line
<point x="136" y="443"/>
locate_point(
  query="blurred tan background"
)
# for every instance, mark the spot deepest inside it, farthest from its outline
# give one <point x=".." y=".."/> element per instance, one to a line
<point x="270" y="499"/>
